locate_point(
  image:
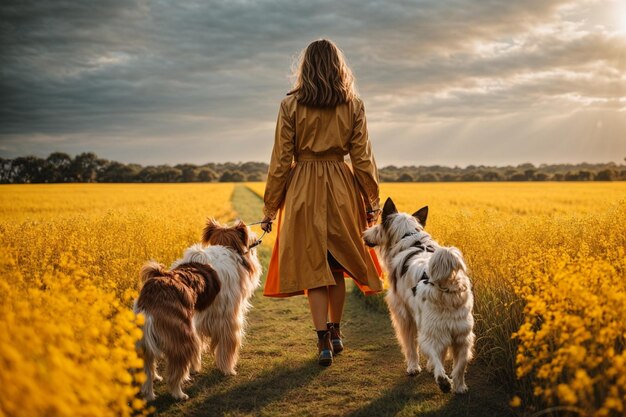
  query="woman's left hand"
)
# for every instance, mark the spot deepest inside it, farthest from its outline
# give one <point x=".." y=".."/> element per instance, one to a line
<point x="372" y="217"/>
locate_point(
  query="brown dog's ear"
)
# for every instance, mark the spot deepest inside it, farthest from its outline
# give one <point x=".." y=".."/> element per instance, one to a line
<point x="242" y="229"/>
<point x="421" y="215"/>
<point x="389" y="208"/>
<point x="211" y="226"/>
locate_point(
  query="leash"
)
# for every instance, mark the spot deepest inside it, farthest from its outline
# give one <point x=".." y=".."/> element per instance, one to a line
<point x="257" y="242"/>
<point x="260" y="239"/>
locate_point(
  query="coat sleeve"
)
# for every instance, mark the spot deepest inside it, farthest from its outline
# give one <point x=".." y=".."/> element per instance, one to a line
<point x="281" y="163"/>
<point x="363" y="162"/>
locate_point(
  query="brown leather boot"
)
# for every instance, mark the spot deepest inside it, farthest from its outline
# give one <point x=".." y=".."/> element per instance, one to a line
<point x="335" y="338"/>
<point x="325" y="349"/>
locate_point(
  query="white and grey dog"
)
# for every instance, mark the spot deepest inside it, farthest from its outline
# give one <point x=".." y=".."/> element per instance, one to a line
<point x="430" y="296"/>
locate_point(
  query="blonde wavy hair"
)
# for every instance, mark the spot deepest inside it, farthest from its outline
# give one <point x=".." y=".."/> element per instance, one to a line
<point x="322" y="77"/>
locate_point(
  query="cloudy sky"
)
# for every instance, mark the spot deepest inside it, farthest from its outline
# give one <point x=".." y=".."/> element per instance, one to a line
<point x="443" y="81"/>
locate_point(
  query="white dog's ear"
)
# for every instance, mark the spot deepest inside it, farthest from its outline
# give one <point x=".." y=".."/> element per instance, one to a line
<point x="211" y="226"/>
<point x="421" y="215"/>
<point x="389" y="208"/>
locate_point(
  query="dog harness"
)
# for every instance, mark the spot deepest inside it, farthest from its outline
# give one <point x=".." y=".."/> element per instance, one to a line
<point x="424" y="278"/>
<point x="415" y="249"/>
<point x="419" y="244"/>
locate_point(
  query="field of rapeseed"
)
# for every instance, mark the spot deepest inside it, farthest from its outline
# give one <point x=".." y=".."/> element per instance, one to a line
<point x="547" y="262"/>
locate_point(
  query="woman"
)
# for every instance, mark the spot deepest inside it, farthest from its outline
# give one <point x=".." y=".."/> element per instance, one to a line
<point x="321" y="203"/>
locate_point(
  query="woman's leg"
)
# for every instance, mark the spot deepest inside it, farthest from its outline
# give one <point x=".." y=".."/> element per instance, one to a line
<point x="318" y="303"/>
<point x="337" y="297"/>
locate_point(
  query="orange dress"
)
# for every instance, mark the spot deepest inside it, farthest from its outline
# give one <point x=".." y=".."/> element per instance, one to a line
<point x="319" y="199"/>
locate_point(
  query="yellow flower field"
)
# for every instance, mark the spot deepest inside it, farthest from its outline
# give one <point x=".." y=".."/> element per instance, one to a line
<point x="547" y="260"/>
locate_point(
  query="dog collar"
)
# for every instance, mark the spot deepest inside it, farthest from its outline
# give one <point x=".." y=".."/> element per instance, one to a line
<point x="255" y="243"/>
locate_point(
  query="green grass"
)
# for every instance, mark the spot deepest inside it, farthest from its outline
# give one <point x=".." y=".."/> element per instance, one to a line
<point x="278" y="374"/>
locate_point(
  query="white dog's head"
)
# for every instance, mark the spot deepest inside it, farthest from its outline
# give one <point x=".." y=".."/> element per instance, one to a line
<point x="394" y="226"/>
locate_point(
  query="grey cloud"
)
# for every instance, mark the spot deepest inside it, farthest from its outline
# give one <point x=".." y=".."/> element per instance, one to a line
<point x="157" y="81"/>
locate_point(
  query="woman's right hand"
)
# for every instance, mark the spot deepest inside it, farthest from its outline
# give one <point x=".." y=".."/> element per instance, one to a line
<point x="266" y="224"/>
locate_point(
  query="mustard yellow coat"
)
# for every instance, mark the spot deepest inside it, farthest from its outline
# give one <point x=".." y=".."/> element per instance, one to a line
<point x="320" y="201"/>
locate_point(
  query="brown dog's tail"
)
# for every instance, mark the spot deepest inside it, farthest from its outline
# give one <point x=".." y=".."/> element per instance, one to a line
<point x="152" y="269"/>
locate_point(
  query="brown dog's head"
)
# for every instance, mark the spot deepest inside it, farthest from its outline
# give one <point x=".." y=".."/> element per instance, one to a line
<point x="236" y="237"/>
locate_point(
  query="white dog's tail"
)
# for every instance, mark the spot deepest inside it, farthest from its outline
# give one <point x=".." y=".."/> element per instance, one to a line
<point x="445" y="262"/>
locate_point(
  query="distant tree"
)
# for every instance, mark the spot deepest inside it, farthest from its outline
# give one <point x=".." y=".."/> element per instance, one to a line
<point x="58" y="164"/>
<point x="147" y="174"/>
<point x="405" y="177"/>
<point x="606" y="175"/>
<point x="84" y="167"/>
<point x="471" y="177"/>
<point x="518" y="176"/>
<point x="227" y="176"/>
<point x="530" y="174"/>
<point x="8" y="171"/>
<point x="492" y="176"/>
<point x="118" y="172"/>
<point x="5" y="170"/>
<point x="255" y="176"/>
<point x="28" y="169"/>
<point x="584" y="175"/>
<point x="508" y="173"/>
<point x="206" y="174"/>
<point x="189" y="172"/>
<point x="385" y="176"/>
<point x="232" y="176"/>
<point x="541" y="176"/>
<point x="166" y="173"/>
<point x="428" y="177"/>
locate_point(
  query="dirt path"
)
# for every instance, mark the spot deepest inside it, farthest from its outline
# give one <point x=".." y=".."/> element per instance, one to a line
<point x="279" y="376"/>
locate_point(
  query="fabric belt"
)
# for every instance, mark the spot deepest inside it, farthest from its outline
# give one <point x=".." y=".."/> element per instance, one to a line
<point x="319" y="157"/>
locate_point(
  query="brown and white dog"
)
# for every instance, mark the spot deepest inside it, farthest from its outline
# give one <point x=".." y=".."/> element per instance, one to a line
<point x="430" y="297"/>
<point x="203" y="297"/>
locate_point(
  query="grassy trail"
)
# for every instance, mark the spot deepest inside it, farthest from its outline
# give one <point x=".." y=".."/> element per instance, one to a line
<point x="278" y="374"/>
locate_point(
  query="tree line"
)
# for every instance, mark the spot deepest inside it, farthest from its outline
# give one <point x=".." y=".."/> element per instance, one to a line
<point x="60" y="167"/>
